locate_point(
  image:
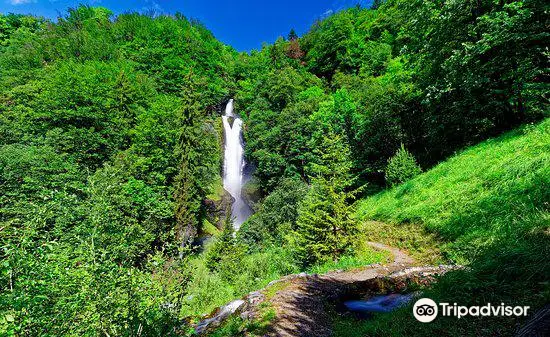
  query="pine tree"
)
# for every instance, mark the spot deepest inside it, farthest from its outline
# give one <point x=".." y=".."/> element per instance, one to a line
<point x="325" y="227"/>
<point x="292" y="35"/>
<point x="401" y="167"/>
<point x="376" y="4"/>
<point x="187" y="193"/>
<point x="197" y="165"/>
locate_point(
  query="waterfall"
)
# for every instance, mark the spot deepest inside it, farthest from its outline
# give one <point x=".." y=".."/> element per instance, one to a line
<point x="233" y="166"/>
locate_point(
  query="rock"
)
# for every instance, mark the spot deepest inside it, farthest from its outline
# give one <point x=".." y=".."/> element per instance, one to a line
<point x="218" y="318"/>
<point x="251" y="192"/>
<point x="255" y="297"/>
<point x="246" y="315"/>
<point x="245" y="306"/>
<point x="216" y="210"/>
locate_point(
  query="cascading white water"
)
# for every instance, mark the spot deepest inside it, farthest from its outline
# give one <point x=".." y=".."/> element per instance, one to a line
<point x="233" y="172"/>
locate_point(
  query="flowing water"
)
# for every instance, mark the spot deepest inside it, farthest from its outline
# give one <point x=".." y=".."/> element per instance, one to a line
<point x="234" y="164"/>
<point x="382" y="303"/>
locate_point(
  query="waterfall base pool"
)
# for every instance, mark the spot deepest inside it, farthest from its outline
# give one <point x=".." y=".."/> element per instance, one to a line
<point x="381" y="303"/>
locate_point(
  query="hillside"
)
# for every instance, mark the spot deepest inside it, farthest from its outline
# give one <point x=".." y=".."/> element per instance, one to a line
<point x="486" y="207"/>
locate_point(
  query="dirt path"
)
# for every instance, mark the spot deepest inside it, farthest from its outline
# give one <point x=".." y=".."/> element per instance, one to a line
<point x="399" y="256"/>
<point x="300" y="306"/>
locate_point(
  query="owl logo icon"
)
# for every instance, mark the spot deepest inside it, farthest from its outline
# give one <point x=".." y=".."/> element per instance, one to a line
<point x="425" y="310"/>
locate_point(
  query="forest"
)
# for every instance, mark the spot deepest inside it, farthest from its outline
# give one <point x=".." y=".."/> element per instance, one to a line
<point x="421" y="123"/>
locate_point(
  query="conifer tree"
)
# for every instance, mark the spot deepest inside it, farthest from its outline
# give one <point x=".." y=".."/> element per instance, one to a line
<point x="292" y="35"/>
<point x="376" y="4"/>
<point x="325" y="227"/>
<point x="197" y="166"/>
<point x="401" y="167"/>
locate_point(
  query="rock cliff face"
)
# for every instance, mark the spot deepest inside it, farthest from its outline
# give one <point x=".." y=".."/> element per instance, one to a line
<point x="217" y="210"/>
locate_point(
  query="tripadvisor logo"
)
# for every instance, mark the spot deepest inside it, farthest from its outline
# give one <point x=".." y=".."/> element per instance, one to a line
<point x="426" y="310"/>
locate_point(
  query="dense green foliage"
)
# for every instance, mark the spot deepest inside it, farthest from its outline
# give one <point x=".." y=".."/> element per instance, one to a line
<point x="110" y="148"/>
<point x="275" y="217"/>
<point x="433" y="75"/>
<point x="107" y="151"/>
<point x="324" y="228"/>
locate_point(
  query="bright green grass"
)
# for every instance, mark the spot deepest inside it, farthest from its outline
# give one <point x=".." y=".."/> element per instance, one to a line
<point x="498" y="189"/>
<point x="364" y="255"/>
<point x="487" y="207"/>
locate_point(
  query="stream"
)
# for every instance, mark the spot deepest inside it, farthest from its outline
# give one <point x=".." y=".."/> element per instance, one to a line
<point x="381" y="303"/>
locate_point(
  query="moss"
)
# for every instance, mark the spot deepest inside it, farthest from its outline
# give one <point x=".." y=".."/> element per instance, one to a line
<point x="273" y="289"/>
<point x="209" y="228"/>
<point x="217" y="190"/>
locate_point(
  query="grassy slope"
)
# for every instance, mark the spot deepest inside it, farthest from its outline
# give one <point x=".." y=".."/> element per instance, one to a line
<point x="487" y="207"/>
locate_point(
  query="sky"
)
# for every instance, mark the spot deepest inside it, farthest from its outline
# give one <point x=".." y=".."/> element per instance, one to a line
<point x="243" y="24"/>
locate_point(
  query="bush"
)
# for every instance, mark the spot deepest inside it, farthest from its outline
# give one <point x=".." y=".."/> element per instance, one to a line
<point x="276" y="216"/>
<point x="401" y="167"/>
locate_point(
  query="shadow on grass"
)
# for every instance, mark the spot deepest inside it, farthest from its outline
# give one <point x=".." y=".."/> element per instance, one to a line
<point x="514" y="271"/>
<point x="308" y="308"/>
